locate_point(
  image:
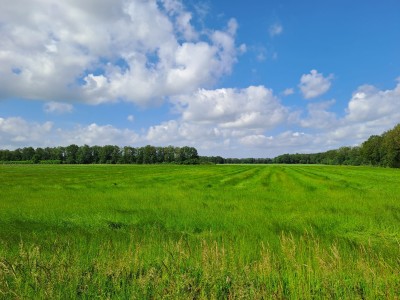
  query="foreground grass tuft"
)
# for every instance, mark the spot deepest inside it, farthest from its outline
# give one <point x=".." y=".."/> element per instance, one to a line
<point x="300" y="269"/>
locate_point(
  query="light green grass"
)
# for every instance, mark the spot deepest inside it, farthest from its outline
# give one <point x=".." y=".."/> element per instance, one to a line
<point x="205" y="232"/>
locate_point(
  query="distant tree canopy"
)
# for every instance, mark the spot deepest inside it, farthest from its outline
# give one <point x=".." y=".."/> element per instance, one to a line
<point x="379" y="150"/>
<point x="109" y="154"/>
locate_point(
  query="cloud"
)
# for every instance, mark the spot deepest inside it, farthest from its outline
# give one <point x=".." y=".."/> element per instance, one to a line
<point x="180" y="132"/>
<point x="130" y="118"/>
<point x="368" y="103"/>
<point x="215" y="121"/>
<point x="288" y="92"/>
<point x="109" y="50"/>
<point x="57" y="107"/>
<point x="284" y="141"/>
<point x="319" y="117"/>
<point x="370" y="111"/>
<point x="252" y="107"/>
<point x="202" y="8"/>
<point x="261" y="53"/>
<point x="314" y="84"/>
<point x="275" y="30"/>
<point x="242" y="48"/>
<point x="182" y="24"/>
<point x="255" y="140"/>
<point x="17" y="132"/>
<point x="95" y="134"/>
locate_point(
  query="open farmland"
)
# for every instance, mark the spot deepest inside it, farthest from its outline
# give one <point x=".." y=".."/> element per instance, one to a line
<point x="186" y="232"/>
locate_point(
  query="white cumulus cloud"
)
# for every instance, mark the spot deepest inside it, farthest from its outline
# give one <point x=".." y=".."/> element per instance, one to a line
<point x="95" y="134"/>
<point x="319" y="116"/>
<point x="314" y="84"/>
<point x="368" y="103"/>
<point x="109" y="50"/>
<point x="252" y="107"/>
<point x="17" y="132"/>
<point x="183" y="133"/>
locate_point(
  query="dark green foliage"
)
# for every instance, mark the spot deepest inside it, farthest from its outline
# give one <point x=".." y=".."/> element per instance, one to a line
<point x="391" y="147"/>
<point x="109" y="154"/>
<point x="371" y="150"/>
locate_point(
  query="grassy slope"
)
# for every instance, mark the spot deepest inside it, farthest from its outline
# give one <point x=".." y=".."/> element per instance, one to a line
<point x="199" y="231"/>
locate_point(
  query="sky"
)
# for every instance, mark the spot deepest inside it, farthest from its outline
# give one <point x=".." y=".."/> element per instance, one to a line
<point x="255" y="78"/>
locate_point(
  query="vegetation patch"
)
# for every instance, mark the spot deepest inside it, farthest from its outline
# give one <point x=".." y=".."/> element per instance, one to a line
<point x="199" y="232"/>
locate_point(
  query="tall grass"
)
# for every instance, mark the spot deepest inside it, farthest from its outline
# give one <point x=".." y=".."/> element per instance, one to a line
<point x="199" y="232"/>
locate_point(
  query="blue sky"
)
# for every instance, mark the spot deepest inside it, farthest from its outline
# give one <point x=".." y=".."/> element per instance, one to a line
<point x="231" y="78"/>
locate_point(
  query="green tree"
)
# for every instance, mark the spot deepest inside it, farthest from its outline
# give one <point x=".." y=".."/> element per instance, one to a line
<point x="140" y="155"/>
<point x="149" y="155"/>
<point x="27" y="153"/>
<point x="160" y="154"/>
<point x="84" y="155"/>
<point x="371" y="151"/>
<point x="109" y="154"/>
<point x="17" y="154"/>
<point x="6" y="155"/>
<point x="70" y="154"/>
<point x="391" y="147"/>
<point x="169" y="154"/>
<point x="128" y="155"/>
<point x="188" y="155"/>
<point x="95" y="154"/>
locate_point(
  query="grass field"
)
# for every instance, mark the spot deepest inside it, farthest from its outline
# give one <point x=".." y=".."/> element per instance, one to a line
<point x="199" y="232"/>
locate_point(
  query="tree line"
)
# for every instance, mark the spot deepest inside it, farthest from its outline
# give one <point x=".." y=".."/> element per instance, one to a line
<point x="109" y="154"/>
<point x="379" y="150"/>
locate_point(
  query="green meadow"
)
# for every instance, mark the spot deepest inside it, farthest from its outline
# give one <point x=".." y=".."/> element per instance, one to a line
<point x="199" y="232"/>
